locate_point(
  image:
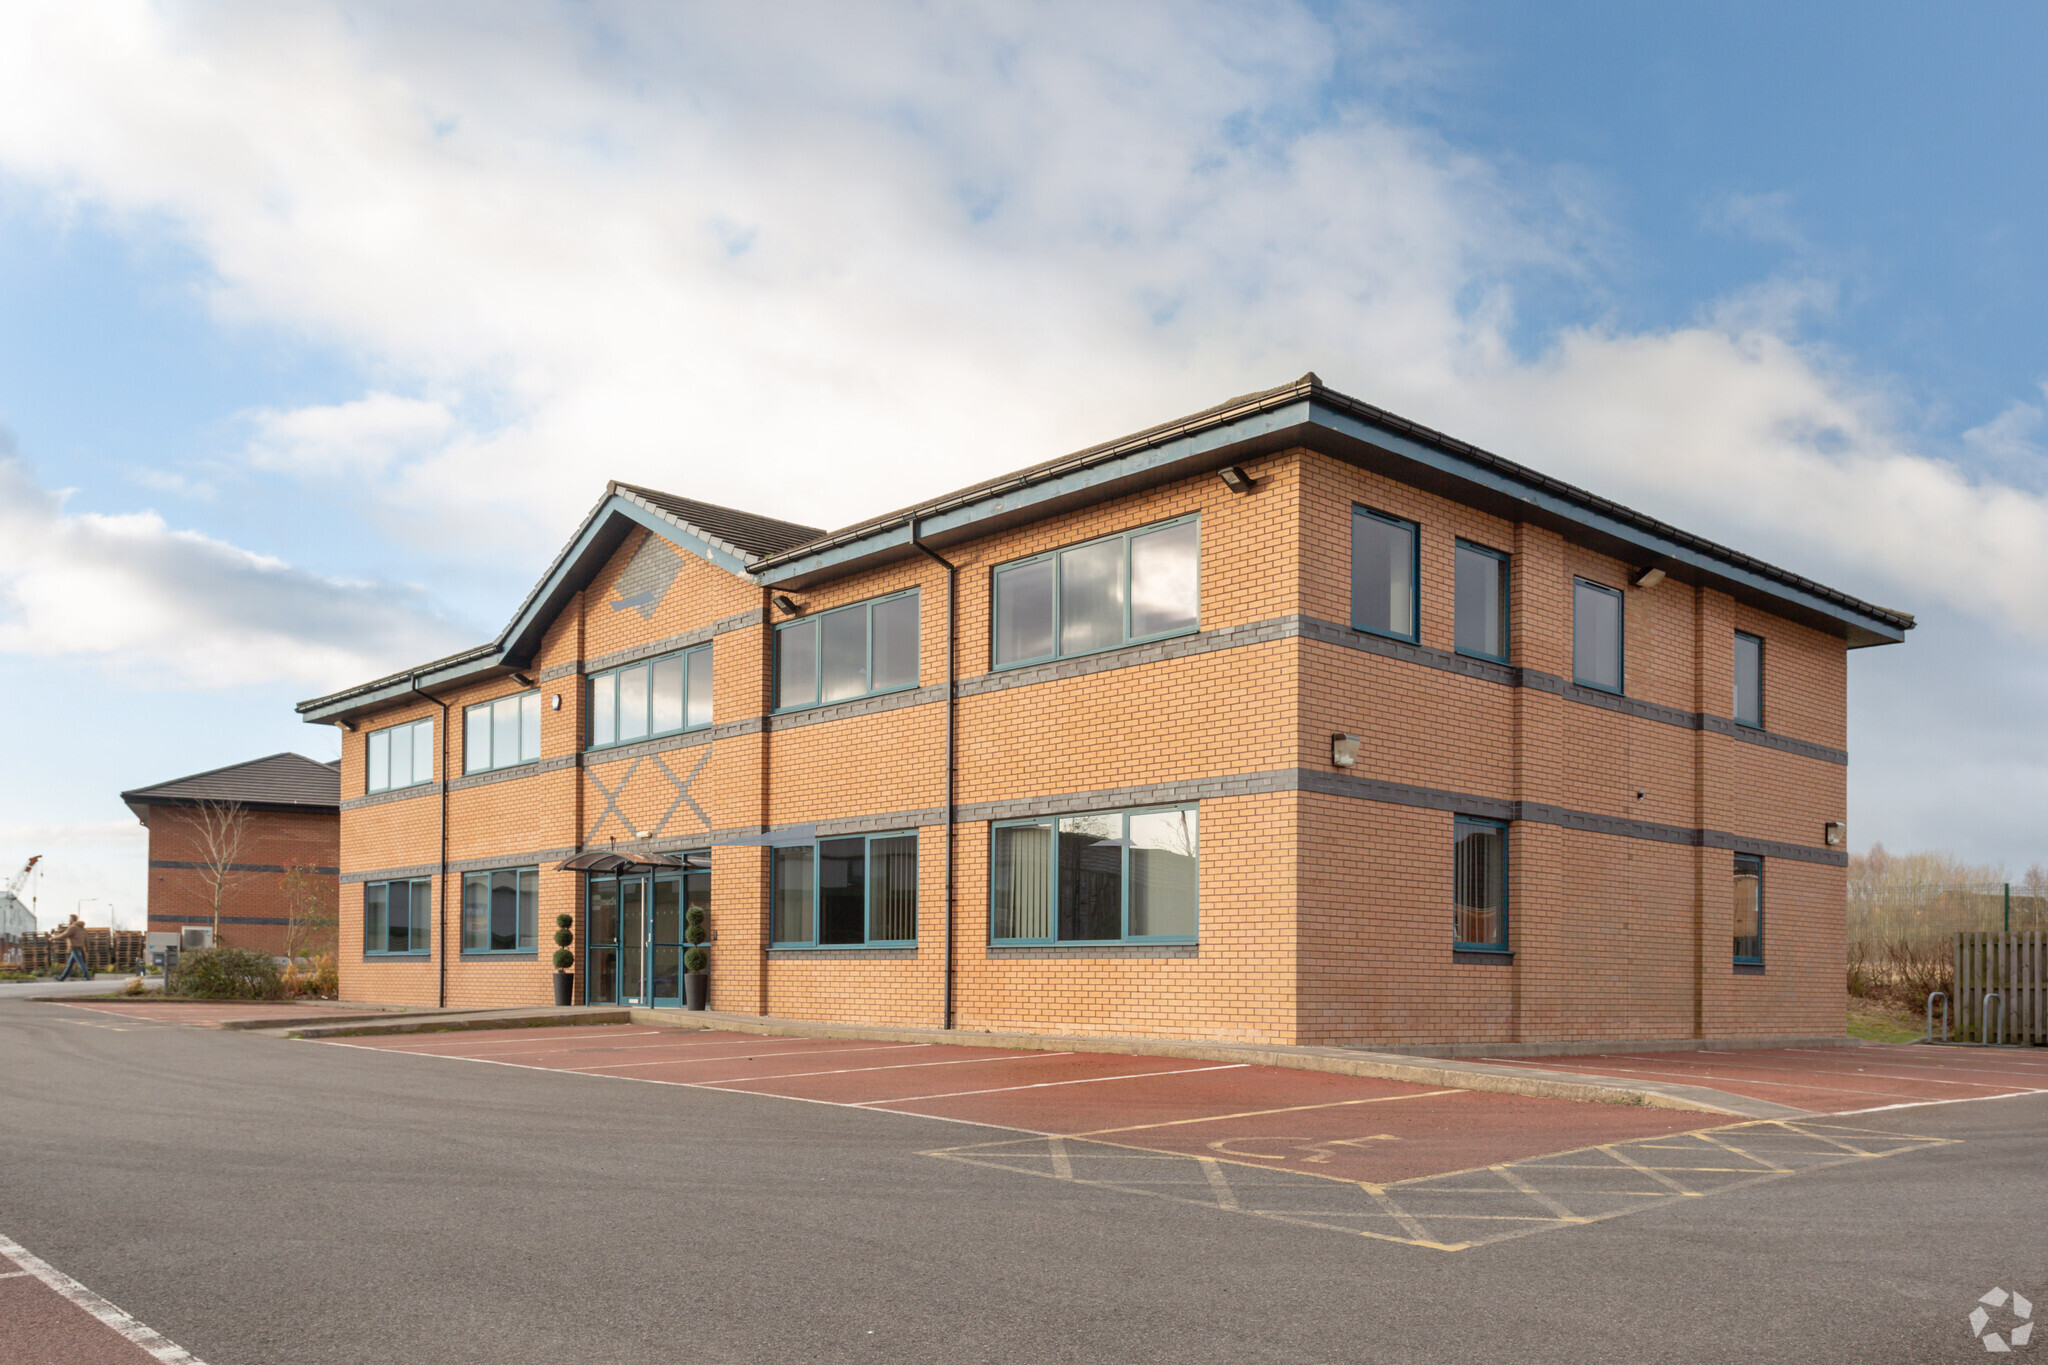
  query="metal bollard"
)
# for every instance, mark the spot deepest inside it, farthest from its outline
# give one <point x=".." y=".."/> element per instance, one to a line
<point x="1931" y="997"/>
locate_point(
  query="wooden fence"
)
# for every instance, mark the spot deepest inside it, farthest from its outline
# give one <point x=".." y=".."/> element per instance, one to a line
<point x="39" y="953"/>
<point x="2015" y="966"/>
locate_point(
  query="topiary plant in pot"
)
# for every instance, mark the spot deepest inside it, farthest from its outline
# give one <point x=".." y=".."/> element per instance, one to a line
<point x="696" y="981"/>
<point x="565" y="959"/>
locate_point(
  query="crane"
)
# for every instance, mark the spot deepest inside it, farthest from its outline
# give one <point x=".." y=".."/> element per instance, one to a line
<point x="21" y="877"/>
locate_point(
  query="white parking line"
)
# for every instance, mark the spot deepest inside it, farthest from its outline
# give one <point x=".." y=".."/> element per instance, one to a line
<point x="165" y="1350"/>
<point x="1041" y="1085"/>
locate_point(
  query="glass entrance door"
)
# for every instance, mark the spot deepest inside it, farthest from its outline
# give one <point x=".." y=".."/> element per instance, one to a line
<point x="633" y="940"/>
<point x="665" y="944"/>
<point x="601" y="954"/>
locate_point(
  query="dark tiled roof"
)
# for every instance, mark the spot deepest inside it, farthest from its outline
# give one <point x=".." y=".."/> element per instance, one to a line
<point x="279" y="780"/>
<point x="756" y="535"/>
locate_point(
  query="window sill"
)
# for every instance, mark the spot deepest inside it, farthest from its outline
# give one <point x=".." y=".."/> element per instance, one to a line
<point x="1483" y="658"/>
<point x="1042" y="659"/>
<point x="1598" y="687"/>
<point x="386" y="791"/>
<point x="1749" y="969"/>
<point x="505" y="768"/>
<point x="369" y="956"/>
<point x="855" y="950"/>
<point x="482" y="954"/>
<point x="1497" y="955"/>
<point x="1144" y="947"/>
<point x="1390" y="635"/>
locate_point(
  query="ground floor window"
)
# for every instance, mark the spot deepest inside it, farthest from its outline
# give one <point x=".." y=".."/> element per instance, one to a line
<point x="396" y="916"/>
<point x="1749" y="909"/>
<point x="857" y="891"/>
<point x="1103" y="877"/>
<point x="1479" y="895"/>
<point x="500" y="911"/>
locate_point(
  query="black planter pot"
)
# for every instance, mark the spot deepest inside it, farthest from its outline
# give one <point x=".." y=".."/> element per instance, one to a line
<point x="696" y="988"/>
<point x="565" y="988"/>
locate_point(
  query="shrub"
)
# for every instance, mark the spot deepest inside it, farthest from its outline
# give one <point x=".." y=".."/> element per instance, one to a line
<point x="226" y="974"/>
<point x="565" y="934"/>
<point x="326" y="976"/>
<point x="695" y="958"/>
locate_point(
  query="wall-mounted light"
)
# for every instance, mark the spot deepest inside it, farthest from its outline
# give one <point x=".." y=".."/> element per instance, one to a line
<point x="1836" y="834"/>
<point x="523" y="679"/>
<point x="1237" y="481"/>
<point x="347" y="727"/>
<point x="556" y="703"/>
<point x="786" y="604"/>
<point x="1649" y="578"/>
<point x="1344" y="750"/>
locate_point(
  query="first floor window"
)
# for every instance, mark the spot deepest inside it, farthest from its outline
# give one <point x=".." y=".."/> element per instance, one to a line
<point x="1479" y="894"/>
<point x="1596" y="636"/>
<point x="1383" y="574"/>
<point x="500" y="911"/>
<point x="498" y="734"/>
<point x="1481" y="605"/>
<point x="1138" y="585"/>
<point x="847" y="652"/>
<point x="861" y="889"/>
<point x="1100" y="877"/>
<point x="401" y="756"/>
<point x="396" y="916"/>
<point x="659" y="698"/>
<point x="1749" y="909"/>
<point x="1749" y="680"/>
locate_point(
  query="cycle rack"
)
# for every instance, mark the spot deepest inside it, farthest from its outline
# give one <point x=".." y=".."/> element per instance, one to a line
<point x="1984" y="1018"/>
<point x="1928" y="1037"/>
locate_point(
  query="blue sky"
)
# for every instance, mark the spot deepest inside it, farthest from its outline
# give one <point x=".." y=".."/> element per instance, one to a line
<point x="320" y="328"/>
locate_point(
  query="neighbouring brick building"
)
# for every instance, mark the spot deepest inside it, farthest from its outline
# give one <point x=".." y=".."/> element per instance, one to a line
<point x="1288" y="721"/>
<point x="287" y="808"/>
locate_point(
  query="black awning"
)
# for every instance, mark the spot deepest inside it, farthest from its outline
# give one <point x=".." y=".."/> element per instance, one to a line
<point x="607" y="862"/>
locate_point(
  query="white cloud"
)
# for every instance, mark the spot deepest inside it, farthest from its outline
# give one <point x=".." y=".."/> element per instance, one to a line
<point x="96" y="869"/>
<point x="764" y="262"/>
<point x="163" y="606"/>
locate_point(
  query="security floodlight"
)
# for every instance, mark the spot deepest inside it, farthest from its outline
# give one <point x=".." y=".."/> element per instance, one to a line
<point x="1649" y="578"/>
<point x="1237" y="481"/>
<point x="1836" y="834"/>
<point x="1344" y="750"/>
<point x="786" y="604"/>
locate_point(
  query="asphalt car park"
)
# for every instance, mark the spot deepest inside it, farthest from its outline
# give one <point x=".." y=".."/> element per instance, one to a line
<point x="625" y="1193"/>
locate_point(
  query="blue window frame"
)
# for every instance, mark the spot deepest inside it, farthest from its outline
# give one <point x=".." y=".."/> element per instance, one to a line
<point x="1481" y="602"/>
<point x="400" y="756"/>
<point x="1137" y="585"/>
<point x="1479" y="886"/>
<point x="848" y="652"/>
<point x="501" y="733"/>
<point x="1749" y="910"/>
<point x="1386" y="574"/>
<point x="500" y="912"/>
<point x="1597" y="659"/>
<point x="664" y="696"/>
<point x="398" y="918"/>
<point x="1103" y="877"/>
<point x="859" y="891"/>
<point x="1749" y="680"/>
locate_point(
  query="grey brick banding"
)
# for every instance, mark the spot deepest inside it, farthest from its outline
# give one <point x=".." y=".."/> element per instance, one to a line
<point x="858" y="706"/>
<point x="641" y="748"/>
<point x="224" y="919"/>
<point x="1129" y="656"/>
<point x="391" y="874"/>
<point x="384" y="798"/>
<point x="236" y="867"/>
<point x="856" y="954"/>
<point x="518" y="770"/>
<point x="1071" y="950"/>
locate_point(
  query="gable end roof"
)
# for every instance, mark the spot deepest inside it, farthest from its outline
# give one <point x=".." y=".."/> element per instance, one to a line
<point x="279" y="782"/>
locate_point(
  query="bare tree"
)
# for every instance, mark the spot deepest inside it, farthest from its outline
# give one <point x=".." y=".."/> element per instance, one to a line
<point x="309" y="909"/>
<point x="222" y="830"/>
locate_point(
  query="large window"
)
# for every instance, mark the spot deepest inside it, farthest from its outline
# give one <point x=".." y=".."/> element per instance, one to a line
<point x="1481" y="607"/>
<point x="1749" y="680"/>
<point x="1102" y="877"/>
<point x="1749" y="909"/>
<point x="848" y="652"/>
<point x="1384" y="579"/>
<point x="856" y="891"/>
<point x="1138" y="585"/>
<point x="500" y="911"/>
<point x="396" y="916"/>
<point x="498" y="734"/>
<point x="401" y="756"/>
<point x="660" y="697"/>
<point x="1479" y="886"/>
<point x="1596" y="636"/>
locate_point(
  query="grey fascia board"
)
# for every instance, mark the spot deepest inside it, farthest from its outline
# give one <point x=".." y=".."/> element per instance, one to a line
<point x="1652" y="545"/>
<point x="682" y="534"/>
<point x="1017" y="501"/>
<point x="347" y="705"/>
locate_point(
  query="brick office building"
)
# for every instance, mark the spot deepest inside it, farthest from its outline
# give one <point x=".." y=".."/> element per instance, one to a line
<point x="289" y="809"/>
<point x="1288" y="721"/>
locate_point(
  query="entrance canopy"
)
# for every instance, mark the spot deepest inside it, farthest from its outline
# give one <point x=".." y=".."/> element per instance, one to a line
<point x="606" y="863"/>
